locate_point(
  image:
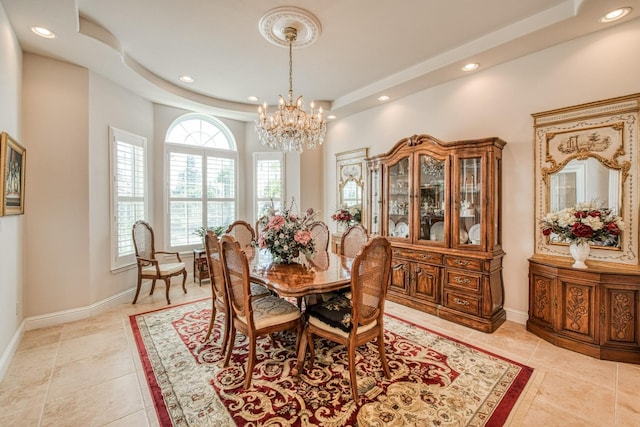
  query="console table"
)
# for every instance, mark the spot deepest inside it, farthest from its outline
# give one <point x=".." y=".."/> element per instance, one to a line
<point x="200" y="267"/>
<point x="595" y="311"/>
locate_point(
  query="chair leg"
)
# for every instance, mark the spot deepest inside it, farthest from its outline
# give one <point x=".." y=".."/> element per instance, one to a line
<point x="153" y="286"/>
<point x="167" y="282"/>
<point x="225" y="338"/>
<point x="232" y="340"/>
<point x="312" y="354"/>
<point x="184" y="281"/>
<point x="383" y="356"/>
<point x="138" y="288"/>
<point x="352" y="372"/>
<point x="211" y="322"/>
<point x="251" y="362"/>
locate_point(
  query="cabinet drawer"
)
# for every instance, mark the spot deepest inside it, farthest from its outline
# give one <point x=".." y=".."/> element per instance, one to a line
<point x="466" y="303"/>
<point x="458" y="279"/>
<point x="416" y="255"/>
<point x="462" y="262"/>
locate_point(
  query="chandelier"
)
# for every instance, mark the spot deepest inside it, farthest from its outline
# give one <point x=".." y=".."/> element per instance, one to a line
<point x="289" y="128"/>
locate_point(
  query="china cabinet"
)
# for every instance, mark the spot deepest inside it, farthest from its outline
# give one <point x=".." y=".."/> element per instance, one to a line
<point x="439" y="204"/>
<point x="588" y="154"/>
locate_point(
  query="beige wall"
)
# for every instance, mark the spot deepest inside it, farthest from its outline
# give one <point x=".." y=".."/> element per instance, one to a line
<point x="11" y="227"/>
<point x="499" y="102"/>
<point x="56" y="130"/>
<point x="110" y="105"/>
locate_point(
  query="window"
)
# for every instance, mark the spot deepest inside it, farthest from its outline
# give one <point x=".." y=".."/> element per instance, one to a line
<point x="202" y="181"/>
<point x="269" y="181"/>
<point x="128" y="171"/>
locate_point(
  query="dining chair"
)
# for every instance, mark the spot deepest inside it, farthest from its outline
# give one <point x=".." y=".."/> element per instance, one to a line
<point x="149" y="267"/>
<point x="357" y="320"/>
<point x="320" y="235"/>
<point x="253" y="317"/>
<point x="243" y="233"/>
<point x="220" y="301"/>
<point x="352" y="240"/>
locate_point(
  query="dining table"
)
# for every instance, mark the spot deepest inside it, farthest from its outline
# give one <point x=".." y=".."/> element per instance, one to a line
<point x="318" y="273"/>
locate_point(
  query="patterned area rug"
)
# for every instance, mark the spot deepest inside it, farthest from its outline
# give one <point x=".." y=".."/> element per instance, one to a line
<point x="436" y="380"/>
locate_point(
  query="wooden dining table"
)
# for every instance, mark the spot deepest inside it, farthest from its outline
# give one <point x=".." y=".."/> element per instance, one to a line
<point x="323" y="272"/>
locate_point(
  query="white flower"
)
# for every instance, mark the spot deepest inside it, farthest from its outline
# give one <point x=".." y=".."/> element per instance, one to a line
<point x="594" y="222"/>
<point x="566" y="217"/>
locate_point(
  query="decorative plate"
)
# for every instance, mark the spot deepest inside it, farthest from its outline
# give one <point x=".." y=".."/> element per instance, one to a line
<point x="402" y="229"/>
<point x="437" y="231"/>
<point x="392" y="227"/>
<point x="464" y="237"/>
<point x="474" y="234"/>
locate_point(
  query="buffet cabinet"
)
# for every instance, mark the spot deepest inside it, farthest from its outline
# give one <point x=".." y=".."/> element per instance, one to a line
<point x="593" y="311"/>
<point x="439" y="204"/>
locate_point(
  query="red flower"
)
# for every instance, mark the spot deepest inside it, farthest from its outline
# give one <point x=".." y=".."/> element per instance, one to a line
<point x="612" y="228"/>
<point x="595" y="214"/>
<point x="547" y="231"/>
<point x="582" y="230"/>
<point x="581" y="214"/>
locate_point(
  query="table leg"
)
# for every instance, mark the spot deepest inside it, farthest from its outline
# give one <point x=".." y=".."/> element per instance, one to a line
<point x="302" y="352"/>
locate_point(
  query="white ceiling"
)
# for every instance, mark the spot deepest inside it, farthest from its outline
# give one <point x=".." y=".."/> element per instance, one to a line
<point x="365" y="48"/>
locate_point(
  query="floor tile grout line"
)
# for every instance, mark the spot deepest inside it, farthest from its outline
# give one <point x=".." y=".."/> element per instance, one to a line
<point x="50" y="380"/>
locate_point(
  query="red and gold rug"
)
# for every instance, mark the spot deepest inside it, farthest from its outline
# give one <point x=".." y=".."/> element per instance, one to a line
<point x="436" y="380"/>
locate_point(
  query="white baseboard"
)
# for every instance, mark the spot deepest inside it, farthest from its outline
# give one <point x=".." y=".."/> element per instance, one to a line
<point x="8" y="353"/>
<point x="60" y="317"/>
<point x="517" y="316"/>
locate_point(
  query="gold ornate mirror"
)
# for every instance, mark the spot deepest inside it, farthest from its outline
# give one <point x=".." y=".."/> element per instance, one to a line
<point x="584" y="155"/>
<point x="350" y="180"/>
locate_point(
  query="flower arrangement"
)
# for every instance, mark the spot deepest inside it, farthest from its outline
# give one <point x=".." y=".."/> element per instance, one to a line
<point x="346" y="215"/>
<point x="585" y="223"/>
<point x="286" y="235"/>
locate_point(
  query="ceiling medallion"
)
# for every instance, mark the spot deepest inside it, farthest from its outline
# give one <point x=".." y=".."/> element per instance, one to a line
<point x="290" y="127"/>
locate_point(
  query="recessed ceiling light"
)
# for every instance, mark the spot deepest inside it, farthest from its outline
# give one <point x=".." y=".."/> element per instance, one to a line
<point x="470" y="66"/>
<point x="252" y="98"/>
<point x="186" y="79"/>
<point x="43" y="32"/>
<point x="331" y="117"/>
<point x="383" y="98"/>
<point x="616" y="14"/>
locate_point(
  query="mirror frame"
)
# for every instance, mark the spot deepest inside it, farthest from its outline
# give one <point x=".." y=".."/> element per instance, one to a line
<point x="350" y="166"/>
<point x="606" y="131"/>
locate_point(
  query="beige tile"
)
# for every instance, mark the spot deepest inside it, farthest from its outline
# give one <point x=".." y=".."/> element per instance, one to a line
<point x="31" y="367"/>
<point x="137" y="419"/>
<point x="15" y="400"/>
<point x="571" y="393"/>
<point x="105" y="403"/>
<point x="510" y="340"/>
<point x="548" y="416"/>
<point x="103" y="323"/>
<point x="628" y="409"/>
<point x="85" y="346"/>
<point x="629" y="379"/>
<point x="559" y="360"/>
<point x="152" y="417"/>
<point x="82" y="373"/>
<point x="40" y="337"/>
<point x="29" y="417"/>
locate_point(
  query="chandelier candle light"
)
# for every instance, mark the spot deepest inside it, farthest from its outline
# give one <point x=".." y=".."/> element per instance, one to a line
<point x="290" y="127"/>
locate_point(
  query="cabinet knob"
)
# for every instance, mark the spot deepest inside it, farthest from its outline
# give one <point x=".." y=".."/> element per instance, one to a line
<point x="464" y="280"/>
<point x="460" y="301"/>
<point x="427" y="256"/>
<point x="462" y="262"/>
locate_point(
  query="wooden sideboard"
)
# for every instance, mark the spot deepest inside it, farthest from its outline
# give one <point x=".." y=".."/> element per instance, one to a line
<point x="595" y="311"/>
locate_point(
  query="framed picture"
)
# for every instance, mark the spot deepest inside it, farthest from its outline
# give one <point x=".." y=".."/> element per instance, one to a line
<point x="13" y="158"/>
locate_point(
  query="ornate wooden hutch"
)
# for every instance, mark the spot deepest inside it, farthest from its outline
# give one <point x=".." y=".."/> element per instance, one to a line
<point x="439" y="203"/>
<point x="588" y="153"/>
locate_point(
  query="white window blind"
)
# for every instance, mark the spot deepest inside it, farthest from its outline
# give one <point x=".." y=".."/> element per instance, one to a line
<point x="269" y="181"/>
<point x="202" y="178"/>
<point x="128" y="190"/>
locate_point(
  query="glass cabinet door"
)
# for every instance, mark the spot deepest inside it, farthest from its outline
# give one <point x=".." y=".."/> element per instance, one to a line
<point x="398" y="204"/>
<point x="432" y="200"/>
<point x="470" y="197"/>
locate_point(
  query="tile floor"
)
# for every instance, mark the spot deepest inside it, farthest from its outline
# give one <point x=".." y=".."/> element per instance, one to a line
<point x="87" y="373"/>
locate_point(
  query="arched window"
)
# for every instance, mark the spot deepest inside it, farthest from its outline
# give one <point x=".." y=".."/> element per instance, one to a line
<point x="202" y="177"/>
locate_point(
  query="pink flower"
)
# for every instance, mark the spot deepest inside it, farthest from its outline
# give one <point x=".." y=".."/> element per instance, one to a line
<point x="302" y="236"/>
<point x="261" y="242"/>
<point x="276" y="222"/>
<point x="293" y="217"/>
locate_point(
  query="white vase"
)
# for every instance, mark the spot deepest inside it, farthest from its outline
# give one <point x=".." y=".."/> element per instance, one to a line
<point x="579" y="251"/>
